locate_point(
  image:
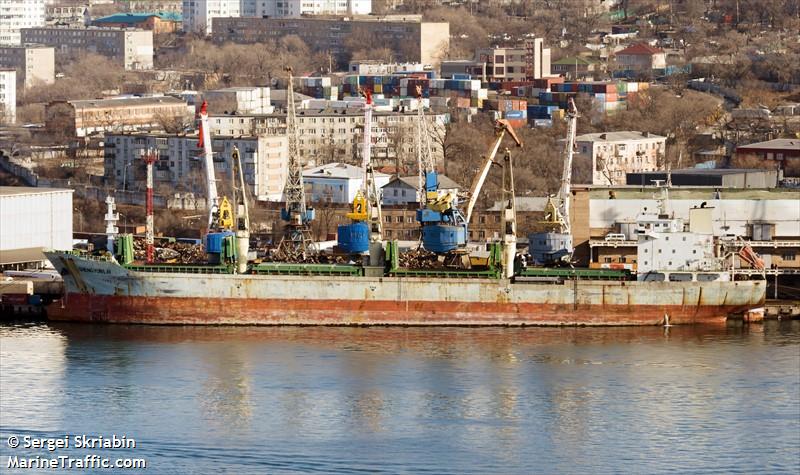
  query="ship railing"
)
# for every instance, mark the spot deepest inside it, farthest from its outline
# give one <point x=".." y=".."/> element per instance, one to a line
<point x="178" y="269"/>
<point x="90" y="257"/>
<point x="445" y="273"/>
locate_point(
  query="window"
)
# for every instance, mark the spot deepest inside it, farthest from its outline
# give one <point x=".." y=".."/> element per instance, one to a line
<point x="607" y="260"/>
<point x="387" y="218"/>
<point x="789" y="256"/>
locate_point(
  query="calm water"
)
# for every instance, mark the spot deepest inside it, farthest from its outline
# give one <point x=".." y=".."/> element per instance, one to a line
<point x="415" y="400"/>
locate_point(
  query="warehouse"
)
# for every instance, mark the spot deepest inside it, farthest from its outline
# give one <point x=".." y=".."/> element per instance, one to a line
<point x="722" y="178"/>
<point x="33" y="219"/>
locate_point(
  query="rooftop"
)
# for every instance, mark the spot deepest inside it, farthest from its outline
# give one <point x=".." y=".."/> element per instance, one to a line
<point x="29" y="190"/>
<point x="572" y="60"/>
<point x="776" y="144"/>
<point x="337" y="170"/>
<point x="133" y="18"/>
<point x="640" y="49"/>
<point x="708" y="171"/>
<point x="125" y="102"/>
<point x="620" y="136"/>
<point x="413" y="182"/>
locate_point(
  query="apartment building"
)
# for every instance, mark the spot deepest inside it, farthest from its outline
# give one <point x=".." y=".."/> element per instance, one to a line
<point x="16" y="15"/>
<point x="130" y="48"/>
<point x="527" y="62"/>
<point x="180" y="164"/>
<point x="336" y="135"/>
<point x="197" y="14"/>
<point x="408" y="37"/>
<point x="94" y="116"/>
<point x="613" y="154"/>
<point x="35" y="64"/>
<point x="296" y="8"/>
<point x="8" y="96"/>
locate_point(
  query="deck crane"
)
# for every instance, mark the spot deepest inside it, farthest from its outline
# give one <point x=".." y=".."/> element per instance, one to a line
<point x="367" y="225"/>
<point x="296" y="242"/>
<point x="555" y="246"/>
<point x="444" y="228"/>
<point x="219" y="241"/>
<point x="502" y="127"/>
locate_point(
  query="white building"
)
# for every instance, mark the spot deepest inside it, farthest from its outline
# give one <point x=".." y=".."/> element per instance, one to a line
<point x="613" y="154"/>
<point x="33" y="219"/>
<point x="8" y="96"/>
<point x="179" y="165"/>
<point x="405" y="190"/>
<point x="243" y="100"/>
<point x="337" y="182"/>
<point x="18" y="14"/>
<point x="296" y="8"/>
<point x="197" y="14"/>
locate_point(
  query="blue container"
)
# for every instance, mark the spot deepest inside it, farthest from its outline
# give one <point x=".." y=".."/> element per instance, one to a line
<point x="462" y="76"/>
<point x="214" y="241"/>
<point x="512" y="114"/>
<point x="441" y="238"/>
<point x="353" y="238"/>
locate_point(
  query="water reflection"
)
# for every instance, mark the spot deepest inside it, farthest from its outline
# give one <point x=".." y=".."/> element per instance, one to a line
<point x="436" y="400"/>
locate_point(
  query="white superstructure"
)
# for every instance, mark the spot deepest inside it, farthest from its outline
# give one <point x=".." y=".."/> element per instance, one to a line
<point x="18" y="14"/>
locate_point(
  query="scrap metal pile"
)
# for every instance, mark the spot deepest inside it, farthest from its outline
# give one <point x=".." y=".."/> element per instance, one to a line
<point x="171" y="252"/>
<point x="420" y="259"/>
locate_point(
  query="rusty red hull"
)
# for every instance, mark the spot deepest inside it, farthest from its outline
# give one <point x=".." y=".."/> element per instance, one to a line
<point x="174" y="310"/>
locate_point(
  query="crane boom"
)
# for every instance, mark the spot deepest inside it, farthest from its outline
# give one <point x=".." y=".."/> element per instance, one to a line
<point x="502" y="126"/>
<point x="204" y="142"/>
<point x="564" y="192"/>
<point x="425" y="164"/>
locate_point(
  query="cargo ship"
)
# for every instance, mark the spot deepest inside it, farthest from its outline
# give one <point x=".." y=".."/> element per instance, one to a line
<point x="693" y="286"/>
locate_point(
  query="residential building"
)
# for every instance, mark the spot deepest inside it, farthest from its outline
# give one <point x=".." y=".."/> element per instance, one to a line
<point x="297" y="8"/>
<point x="35" y="64"/>
<point x="67" y="14"/>
<point x="243" y="100"/>
<point x="528" y="62"/>
<point x="157" y="22"/>
<point x="640" y="57"/>
<point x="87" y="117"/>
<point x="16" y="15"/>
<point x="130" y="48"/>
<point x="31" y="220"/>
<point x="614" y="154"/>
<point x="197" y="14"/>
<point x="336" y="135"/>
<point x="180" y="164"/>
<point x="8" y="96"/>
<point x="409" y="38"/>
<point x="405" y="190"/>
<point x="577" y="67"/>
<point x="780" y="154"/>
<point x="337" y="182"/>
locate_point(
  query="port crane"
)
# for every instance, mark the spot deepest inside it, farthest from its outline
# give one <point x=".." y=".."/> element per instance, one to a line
<point x="555" y="246"/>
<point x="443" y="227"/>
<point x="296" y="242"/>
<point x="367" y="218"/>
<point x="502" y="127"/>
<point x="220" y="212"/>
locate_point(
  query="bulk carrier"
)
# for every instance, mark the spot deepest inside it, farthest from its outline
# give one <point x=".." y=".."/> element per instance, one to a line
<point x="696" y="286"/>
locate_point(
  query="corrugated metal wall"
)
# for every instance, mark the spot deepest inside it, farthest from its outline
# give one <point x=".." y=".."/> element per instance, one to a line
<point x="37" y="219"/>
